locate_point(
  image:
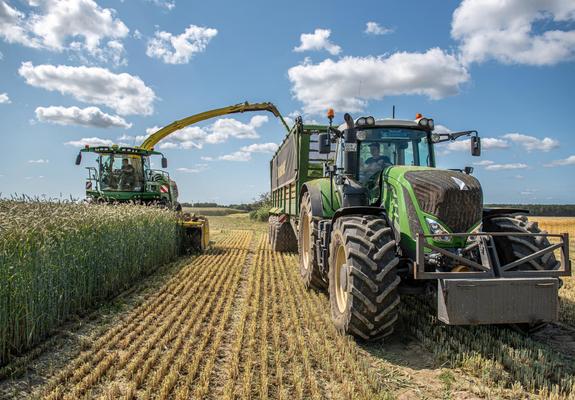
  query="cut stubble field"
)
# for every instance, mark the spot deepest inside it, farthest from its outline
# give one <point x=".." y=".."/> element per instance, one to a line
<point x="236" y="322"/>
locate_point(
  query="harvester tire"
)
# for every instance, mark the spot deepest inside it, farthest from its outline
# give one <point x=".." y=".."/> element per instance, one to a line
<point x="282" y="237"/>
<point x="307" y="235"/>
<point x="363" y="278"/>
<point x="511" y="248"/>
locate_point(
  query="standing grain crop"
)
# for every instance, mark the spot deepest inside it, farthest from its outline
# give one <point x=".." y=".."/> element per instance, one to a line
<point x="57" y="259"/>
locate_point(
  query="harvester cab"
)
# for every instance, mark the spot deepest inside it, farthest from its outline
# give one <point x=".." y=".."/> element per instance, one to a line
<point x="384" y="220"/>
<point x="127" y="174"/>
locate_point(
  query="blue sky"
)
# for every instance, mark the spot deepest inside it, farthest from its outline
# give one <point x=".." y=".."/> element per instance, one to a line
<point x="77" y="71"/>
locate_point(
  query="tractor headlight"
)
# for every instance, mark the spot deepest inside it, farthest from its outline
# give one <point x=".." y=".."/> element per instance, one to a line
<point x="370" y="120"/>
<point x="430" y="124"/>
<point x="424" y="122"/>
<point x="361" y="121"/>
<point x="361" y="135"/>
<point x="435" y="228"/>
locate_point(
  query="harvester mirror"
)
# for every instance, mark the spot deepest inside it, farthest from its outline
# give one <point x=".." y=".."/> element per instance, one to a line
<point x="164" y="162"/>
<point x="475" y="146"/>
<point x="468" y="170"/>
<point x="324" y="143"/>
<point x="79" y="159"/>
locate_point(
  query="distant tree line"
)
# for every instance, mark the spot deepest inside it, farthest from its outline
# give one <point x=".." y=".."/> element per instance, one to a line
<point x="544" y="210"/>
<point x="263" y="199"/>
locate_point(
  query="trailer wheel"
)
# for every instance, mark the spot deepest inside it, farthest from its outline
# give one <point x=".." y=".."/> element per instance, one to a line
<point x="511" y="248"/>
<point x="282" y="236"/>
<point x="307" y="236"/>
<point x="363" y="277"/>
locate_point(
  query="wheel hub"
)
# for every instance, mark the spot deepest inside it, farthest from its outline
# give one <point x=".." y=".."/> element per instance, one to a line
<point x="341" y="280"/>
<point x="306" y="241"/>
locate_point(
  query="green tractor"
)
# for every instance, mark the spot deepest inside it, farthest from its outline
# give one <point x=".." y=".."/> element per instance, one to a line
<point x="125" y="174"/>
<point x="373" y="219"/>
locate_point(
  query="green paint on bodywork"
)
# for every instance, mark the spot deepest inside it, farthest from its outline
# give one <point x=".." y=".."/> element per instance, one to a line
<point x="323" y="186"/>
<point x="393" y="200"/>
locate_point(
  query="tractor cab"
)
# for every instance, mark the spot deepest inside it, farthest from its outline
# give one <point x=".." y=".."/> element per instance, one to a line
<point x="366" y="147"/>
<point x="127" y="174"/>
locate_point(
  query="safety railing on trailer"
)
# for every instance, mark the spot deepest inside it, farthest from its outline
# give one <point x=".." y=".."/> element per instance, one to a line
<point x="490" y="266"/>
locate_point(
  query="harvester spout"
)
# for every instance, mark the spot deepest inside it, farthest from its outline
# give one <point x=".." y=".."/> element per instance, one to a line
<point x="155" y="137"/>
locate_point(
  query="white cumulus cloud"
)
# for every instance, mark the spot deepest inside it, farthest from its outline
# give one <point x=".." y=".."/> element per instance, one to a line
<point x="58" y="25"/>
<point x="505" y="31"/>
<point x="465" y="145"/>
<point x="179" y="49"/>
<point x="484" y="163"/>
<point x="89" y="116"/>
<point x="237" y="156"/>
<point x="39" y="161"/>
<point x="167" y="4"/>
<point x="563" y="162"/>
<point x="531" y="143"/>
<point x="318" y="40"/>
<point x="125" y="93"/>
<point x="348" y="83"/>
<point x="93" y="141"/>
<point x="4" y="99"/>
<point x="194" y="170"/>
<point x="260" y="148"/>
<point x="499" y="167"/>
<point x="373" y="28"/>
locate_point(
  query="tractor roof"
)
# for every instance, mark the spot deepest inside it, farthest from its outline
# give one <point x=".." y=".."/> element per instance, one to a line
<point x="389" y="122"/>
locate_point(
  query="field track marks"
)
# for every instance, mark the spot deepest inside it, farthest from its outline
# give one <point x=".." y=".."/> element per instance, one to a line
<point x="285" y="345"/>
<point x="140" y="355"/>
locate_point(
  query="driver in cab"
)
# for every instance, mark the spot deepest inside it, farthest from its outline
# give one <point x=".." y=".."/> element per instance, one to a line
<point x="376" y="161"/>
<point x="127" y="175"/>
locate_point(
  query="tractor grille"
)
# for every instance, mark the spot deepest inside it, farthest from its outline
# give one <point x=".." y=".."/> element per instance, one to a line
<point x="440" y="195"/>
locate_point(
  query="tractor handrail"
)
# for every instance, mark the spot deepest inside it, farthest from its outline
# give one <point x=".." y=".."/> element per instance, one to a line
<point x="160" y="134"/>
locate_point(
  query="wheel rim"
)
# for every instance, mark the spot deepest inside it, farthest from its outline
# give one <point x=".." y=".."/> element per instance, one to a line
<point x="305" y="241"/>
<point x="341" y="280"/>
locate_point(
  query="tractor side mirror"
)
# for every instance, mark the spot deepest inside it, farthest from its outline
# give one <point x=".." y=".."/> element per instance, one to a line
<point x="468" y="170"/>
<point x="79" y="159"/>
<point x="475" y="146"/>
<point x="164" y="162"/>
<point x="324" y="141"/>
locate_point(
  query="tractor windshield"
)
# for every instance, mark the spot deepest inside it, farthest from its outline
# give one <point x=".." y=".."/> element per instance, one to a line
<point x="121" y="172"/>
<point x="382" y="147"/>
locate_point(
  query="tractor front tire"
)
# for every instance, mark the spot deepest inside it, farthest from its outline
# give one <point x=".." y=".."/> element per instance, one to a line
<point x="363" y="278"/>
<point x="307" y="235"/>
<point x="511" y="248"/>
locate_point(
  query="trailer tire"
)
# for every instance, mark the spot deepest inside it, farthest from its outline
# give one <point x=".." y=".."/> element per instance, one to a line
<point x="511" y="248"/>
<point x="307" y="235"/>
<point x="282" y="235"/>
<point x="363" y="278"/>
<point x="271" y="229"/>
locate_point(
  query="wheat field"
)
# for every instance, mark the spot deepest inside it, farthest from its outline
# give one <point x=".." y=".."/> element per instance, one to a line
<point x="236" y="323"/>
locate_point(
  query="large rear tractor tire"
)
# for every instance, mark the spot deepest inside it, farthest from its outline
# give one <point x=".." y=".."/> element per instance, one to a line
<point x="307" y="234"/>
<point x="363" y="277"/>
<point x="281" y="235"/>
<point x="511" y="248"/>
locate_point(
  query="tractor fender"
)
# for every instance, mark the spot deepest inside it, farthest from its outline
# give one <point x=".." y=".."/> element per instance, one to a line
<point x="316" y="199"/>
<point x="494" y="212"/>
